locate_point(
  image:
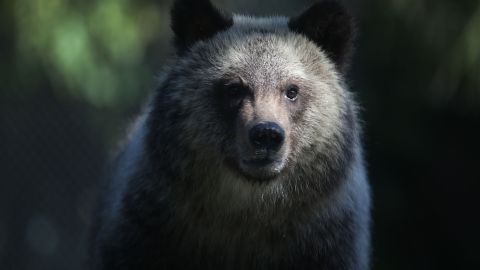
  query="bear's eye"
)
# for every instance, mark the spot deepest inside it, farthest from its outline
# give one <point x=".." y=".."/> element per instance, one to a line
<point x="292" y="92"/>
<point x="235" y="90"/>
<point x="234" y="94"/>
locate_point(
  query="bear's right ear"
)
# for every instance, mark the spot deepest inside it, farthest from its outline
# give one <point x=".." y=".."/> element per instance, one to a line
<point x="194" y="20"/>
<point x="330" y="26"/>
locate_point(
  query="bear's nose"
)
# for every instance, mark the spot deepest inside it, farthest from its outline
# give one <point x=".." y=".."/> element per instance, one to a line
<point x="268" y="135"/>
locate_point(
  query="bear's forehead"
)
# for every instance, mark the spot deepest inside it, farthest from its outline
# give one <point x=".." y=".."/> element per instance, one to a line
<point x="262" y="58"/>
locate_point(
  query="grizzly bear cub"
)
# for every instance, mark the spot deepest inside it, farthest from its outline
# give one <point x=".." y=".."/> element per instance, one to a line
<point x="249" y="153"/>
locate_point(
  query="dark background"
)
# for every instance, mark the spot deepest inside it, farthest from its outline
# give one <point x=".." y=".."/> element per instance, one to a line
<point x="73" y="74"/>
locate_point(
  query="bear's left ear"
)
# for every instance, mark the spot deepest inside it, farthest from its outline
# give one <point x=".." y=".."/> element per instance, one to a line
<point x="330" y="26"/>
<point x="194" y="20"/>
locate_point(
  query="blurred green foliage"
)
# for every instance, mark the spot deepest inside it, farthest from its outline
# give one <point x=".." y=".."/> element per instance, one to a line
<point x="93" y="50"/>
<point x="461" y="65"/>
<point x="436" y="43"/>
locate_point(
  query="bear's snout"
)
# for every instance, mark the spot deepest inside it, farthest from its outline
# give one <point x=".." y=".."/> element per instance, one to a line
<point x="267" y="135"/>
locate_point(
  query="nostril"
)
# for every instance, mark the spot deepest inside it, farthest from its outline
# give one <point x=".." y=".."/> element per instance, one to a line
<point x="267" y="135"/>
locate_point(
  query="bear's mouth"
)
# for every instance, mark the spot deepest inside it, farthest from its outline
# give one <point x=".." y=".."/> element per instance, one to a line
<point x="261" y="169"/>
<point x="259" y="162"/>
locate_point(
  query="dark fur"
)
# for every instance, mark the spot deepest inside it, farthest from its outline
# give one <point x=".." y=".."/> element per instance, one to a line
<point x="194" y="20"/>
<point x="328" y="24"/>
<point x="160" y="210"/>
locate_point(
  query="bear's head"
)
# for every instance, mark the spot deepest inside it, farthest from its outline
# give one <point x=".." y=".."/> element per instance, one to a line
<point x="263" y="97"/>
